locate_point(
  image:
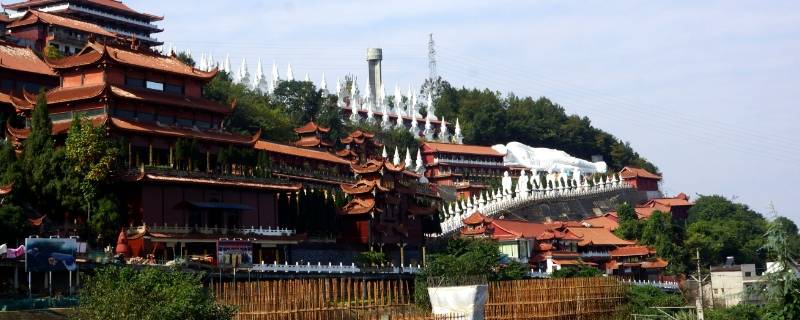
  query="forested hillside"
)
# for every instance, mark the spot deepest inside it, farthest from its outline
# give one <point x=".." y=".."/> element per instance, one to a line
<point x="486" y="117"/>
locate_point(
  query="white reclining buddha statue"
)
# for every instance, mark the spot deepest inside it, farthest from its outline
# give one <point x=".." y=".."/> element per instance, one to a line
<point x="547" y="160"/>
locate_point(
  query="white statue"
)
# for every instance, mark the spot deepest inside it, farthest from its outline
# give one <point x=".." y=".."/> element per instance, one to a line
<point x="522" y="182"/>
<point x="507" y="183"/>
<point x="544" y="159"/>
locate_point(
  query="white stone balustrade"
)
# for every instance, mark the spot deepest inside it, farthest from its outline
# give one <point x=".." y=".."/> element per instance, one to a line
<point x="508" y="200"/>
<point x="595" y="254"/>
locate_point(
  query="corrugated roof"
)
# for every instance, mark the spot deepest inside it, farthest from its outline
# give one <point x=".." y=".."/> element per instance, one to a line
<point x="19" y="58"/>
<point x="34" y="16"/>
<point x="462" y="149"/>
<point x="299" y="152"/>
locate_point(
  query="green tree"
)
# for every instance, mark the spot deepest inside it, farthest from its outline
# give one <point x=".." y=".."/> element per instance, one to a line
<point x="147" y="293"/>
<point x="742" y="311"/>
<point x="781" y="286"/>
<point x="641" y="299"/>
<point x="13" y="225"/>
<point x="40" y="161"/>
<point x="629" y="227"/>
<point x="659" y="232"/>
<point x="89" y="160"/>
<point x="720" y="228"/>
<point x="300" y="99"/>
<point x="52" y="53"/>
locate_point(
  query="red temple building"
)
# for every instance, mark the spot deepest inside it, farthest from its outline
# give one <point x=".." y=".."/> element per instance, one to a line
<point x="552" y="246"/>
<point x="385" y="207"/>
<point x="467" y="168"/>
<point x="640" y="179"/>
<point x="68" y="24"/>
<point x="312" y="136"/>
<point x="177" y="185"/>
<point x="39" y="30"/>
<point x="20" y="70"/>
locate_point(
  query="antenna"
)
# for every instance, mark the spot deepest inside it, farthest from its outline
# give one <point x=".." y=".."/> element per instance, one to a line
<point x="431" y="58"/>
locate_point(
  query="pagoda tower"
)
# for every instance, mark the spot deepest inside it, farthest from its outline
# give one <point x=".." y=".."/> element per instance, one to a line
<point x="312" y="136"/>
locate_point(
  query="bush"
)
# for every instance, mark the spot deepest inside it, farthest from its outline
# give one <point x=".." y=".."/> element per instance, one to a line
<point x="642" y="298"/>
<point x="739" y="312"/>
<point x="149" y="293"/>
<point x="579" y="271"/>
<point x="370" y="258"/>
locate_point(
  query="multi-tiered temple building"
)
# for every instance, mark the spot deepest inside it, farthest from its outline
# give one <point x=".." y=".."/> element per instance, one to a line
<point x="69" y="24"/>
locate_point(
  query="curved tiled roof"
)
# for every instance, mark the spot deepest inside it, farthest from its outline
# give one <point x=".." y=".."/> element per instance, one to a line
<point x="182" y="132"/>
<point x="4" y="190"/>
<point x="630" y="251"/>
<point x="299" y="152"/>
<point x="34" y="16"/>
<point x="310" y="127"/>
<point x="170" y="99"/>
<point x="358" y="206"/>
<point x="631" y="172"/>
<point x="94" y="52"/>
<point x="110" y="4"/>
<point x="20" y="58"/>
<point x="311" y="141"/>
<point x="597" y="236"/>
<point x="461" y="149"/>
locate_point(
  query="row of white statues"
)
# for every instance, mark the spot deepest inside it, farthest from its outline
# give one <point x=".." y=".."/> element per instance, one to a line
<point x="405" y="109"/>
<point x="527" y="190"/>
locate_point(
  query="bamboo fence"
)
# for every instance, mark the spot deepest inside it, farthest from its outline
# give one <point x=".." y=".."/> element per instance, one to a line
<point x="319" y="299"/>
<point x="572" y="298"/>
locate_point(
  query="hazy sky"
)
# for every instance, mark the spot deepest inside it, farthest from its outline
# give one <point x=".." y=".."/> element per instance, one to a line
<point x="708" y="91"/>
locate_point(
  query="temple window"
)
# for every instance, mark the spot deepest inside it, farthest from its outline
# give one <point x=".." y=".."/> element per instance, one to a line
<point x="166" y="119"/>
<point x="173" y="88"/>
<point x="146" y="117"/>
<point x="134" y="82"/>
<point x="202" y="124"/>
<point x="125" y="114"/>
<point x="184" y="122"/>
<point x="153" y="85"/>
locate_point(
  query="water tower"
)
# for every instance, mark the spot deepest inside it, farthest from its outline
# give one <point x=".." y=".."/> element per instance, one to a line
<point x="374" y="58"/>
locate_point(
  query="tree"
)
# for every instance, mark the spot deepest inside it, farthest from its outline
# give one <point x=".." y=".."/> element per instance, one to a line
<point x="300" y="99"/>
<point x="147" y="293"/>
<point x="488" y="118"/>
<point x="720" y="228"/>
<point x="89" y="159"/>
<point x="641" y="299"/>
<point x="629" y="228"/>
<point x="660" y="233"/>
<point x="13" y="225"/>
<point x="52" y="53"/>
<point x="40" y="160"/>
<point x="781" y="286"/>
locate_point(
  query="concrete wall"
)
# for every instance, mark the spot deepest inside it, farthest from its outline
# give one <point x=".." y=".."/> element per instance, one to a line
<point x="577" y="209"/>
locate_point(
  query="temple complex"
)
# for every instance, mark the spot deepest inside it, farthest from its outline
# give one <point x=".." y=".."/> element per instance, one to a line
<point x="21" y="70"/>
<point x="69" y="24"/>
<point x="562" y="244"/>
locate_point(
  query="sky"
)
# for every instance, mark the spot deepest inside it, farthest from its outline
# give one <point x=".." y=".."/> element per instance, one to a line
<point x="707" y="90"/>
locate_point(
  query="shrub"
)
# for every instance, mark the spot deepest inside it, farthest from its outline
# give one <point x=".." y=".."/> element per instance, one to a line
<point x="149" y="293"/>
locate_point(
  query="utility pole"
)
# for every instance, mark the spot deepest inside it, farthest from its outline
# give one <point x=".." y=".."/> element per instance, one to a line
<point x="699" y="297"/>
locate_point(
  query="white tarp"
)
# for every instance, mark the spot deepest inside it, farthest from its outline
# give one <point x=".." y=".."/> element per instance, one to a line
<point x="464" y="300"/>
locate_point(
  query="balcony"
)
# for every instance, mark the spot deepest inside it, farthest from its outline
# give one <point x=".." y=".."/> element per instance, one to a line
<point x="240" y="231"/>
<point x="476" y="163"/>
<point x="595" y="254"/>
<point x="332" y="268"/>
